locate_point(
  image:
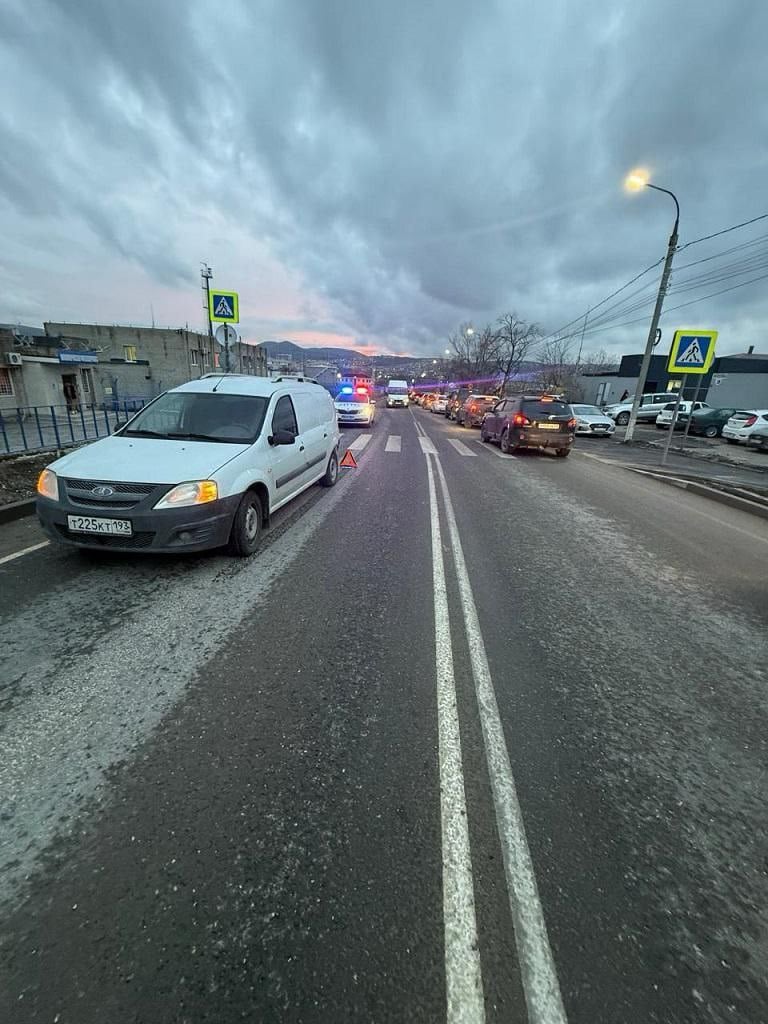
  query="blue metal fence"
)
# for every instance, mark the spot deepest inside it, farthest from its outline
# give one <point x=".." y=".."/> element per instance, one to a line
<point x="34" y="428"/>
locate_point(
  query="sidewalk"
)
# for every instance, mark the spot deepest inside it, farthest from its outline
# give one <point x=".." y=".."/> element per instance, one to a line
<point x="689" y="465"/>
<point x="715" y="451"/>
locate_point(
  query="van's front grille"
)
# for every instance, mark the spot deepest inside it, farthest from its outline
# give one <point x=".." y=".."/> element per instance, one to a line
<point x="110" y="494"/>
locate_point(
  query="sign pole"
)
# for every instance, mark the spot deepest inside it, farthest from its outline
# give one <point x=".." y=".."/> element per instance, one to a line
<point x="667" y="443"/>
<point x="693" y="406"/>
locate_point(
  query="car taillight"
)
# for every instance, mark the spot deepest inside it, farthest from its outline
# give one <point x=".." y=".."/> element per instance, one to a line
<point x="473" y="407"/>
<point x="520" y="420"/>
<point x="750" y="421"/>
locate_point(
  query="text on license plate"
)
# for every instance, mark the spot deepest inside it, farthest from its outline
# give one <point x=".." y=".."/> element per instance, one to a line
<point x="89" y="524"/>
<point x="548" y="426"/>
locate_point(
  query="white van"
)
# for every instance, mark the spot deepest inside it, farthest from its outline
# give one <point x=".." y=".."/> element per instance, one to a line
<point x="397" y="394"/>
<point x="202" y="466"/>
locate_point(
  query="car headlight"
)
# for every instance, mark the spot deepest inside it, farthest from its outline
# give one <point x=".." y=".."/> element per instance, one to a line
<point x="48" y="485"/>
<point x="197" y="492"/>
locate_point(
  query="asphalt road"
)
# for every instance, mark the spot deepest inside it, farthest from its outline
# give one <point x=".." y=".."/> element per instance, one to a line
<point x="472" y="738"/>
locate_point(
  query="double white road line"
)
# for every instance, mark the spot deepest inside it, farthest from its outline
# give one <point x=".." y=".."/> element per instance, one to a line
<point x="462" y="960"/>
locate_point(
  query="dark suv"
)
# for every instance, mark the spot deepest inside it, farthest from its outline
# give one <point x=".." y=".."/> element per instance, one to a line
<point x="530" y="421"/>
<point x="455" y="401"/>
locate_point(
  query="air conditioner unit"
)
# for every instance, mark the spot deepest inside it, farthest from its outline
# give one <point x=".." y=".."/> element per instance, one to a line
<point x="13" y="358"/>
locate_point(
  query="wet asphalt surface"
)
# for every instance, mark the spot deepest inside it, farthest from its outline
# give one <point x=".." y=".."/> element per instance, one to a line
<point x="219" y="779"/>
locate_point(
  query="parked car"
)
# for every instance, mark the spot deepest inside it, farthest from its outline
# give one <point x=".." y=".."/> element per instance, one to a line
<point x="202" y="466"/>
<point x="439" y="404"/>
<point x="592" y="422"/>
<point x="667" y="414"/>
<point x="455" y="401"/>
<point x="355" y="406"/>
<point x="759" y="439"/>
<point x="474" y="408"/>
<point x="649" y="408"/>
<point x="742" y="425"/>
<point x="706" y="422"/>
<point x="530" y="421"/>
<point x="428" y="400"/>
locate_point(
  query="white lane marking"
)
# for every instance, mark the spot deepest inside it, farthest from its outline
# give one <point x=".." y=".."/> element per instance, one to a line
<point x="463" y="976"/>
<point x="359" y="443"/>
<point x="536" y="963"/>
<point x="461" y="448"/>
<point x="492" y="448"/>
<point x="393" y="444"/>
<point x="426" y="445"/>
<point x="24" y="551"/>
<point x="598" y="458"/>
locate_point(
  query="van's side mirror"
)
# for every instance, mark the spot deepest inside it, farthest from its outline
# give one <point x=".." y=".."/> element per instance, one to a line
<point x="282" y="437"/>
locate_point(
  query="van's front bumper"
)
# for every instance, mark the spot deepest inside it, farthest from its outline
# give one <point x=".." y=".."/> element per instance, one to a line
<point x="156" y="531"/>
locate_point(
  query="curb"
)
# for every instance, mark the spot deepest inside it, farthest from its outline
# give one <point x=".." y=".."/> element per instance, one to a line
<point x="754" y="508"/>
<point x="17" y="510"/>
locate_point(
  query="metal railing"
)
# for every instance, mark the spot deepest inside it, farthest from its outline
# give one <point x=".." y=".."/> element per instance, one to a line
<point x="35" y="428"/>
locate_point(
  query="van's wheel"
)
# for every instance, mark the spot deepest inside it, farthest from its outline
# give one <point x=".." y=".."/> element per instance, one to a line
<point x="562" y="453"/>
<point x="710" y="431"/>
<point x="331" y="471"/>
<point x="245" y="536"/>
<point x="483" y="436"/>
<point x="622" y="419"/>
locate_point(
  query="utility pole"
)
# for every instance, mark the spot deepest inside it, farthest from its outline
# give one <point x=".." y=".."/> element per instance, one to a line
<point x="671" y="246"/>
<point x="206" y="274"/>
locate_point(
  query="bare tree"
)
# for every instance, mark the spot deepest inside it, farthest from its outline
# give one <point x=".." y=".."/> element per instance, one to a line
<point x="556" y="367"/>
<point x="475" y="352"/>
<point x="514" y="339"/>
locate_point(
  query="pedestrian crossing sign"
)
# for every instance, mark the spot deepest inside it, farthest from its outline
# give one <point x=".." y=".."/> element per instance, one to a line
<point x="692" y="351"/>
<point x="224" y="306"/>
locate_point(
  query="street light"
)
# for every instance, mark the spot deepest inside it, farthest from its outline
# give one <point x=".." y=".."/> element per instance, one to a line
<point x="635" y="181"/>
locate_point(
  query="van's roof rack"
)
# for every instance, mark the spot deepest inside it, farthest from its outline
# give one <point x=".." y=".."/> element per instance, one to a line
<point x="225" y="373"/>
<point x="294" y="376"/>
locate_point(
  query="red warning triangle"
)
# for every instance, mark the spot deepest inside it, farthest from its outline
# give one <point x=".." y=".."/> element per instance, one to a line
<point x="348" y="461"/>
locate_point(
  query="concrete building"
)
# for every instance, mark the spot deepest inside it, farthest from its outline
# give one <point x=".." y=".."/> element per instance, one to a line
<point x="76" y="365"/>
<point x="739" y="380"/>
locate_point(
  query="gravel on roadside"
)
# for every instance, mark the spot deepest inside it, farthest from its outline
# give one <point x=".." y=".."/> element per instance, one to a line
<point x="19" y="473"/>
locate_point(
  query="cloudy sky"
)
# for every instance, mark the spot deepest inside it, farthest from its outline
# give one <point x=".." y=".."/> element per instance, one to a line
<point x="373" y="173"/>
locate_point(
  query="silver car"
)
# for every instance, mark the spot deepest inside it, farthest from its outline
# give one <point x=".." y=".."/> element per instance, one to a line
<point x="592" y="422"/>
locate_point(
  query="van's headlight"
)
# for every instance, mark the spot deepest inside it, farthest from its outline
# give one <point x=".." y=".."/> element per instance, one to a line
<point x="48" y="485"/>
<point x="197" y="492"/>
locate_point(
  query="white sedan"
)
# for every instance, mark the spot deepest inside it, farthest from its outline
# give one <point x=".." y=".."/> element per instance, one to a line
<point x="742" y="424"/>
<point x="592" y="422"/>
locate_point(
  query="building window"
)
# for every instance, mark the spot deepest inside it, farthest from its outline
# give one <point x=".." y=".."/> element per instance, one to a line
<point x="6" y="383"/>
<point x="193" y="356"/>
<point x="129" y="353"/>
<point x="88" y="382"/>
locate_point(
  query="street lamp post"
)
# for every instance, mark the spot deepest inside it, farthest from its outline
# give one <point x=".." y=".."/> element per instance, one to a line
<point x="634" y="182"/>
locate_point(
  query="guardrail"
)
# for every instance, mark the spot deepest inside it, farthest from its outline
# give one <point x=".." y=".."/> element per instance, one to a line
<point x="35" y="428"/>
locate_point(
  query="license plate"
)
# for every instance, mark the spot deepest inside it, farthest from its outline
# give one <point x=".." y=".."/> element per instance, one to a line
<point x="548" y="426"/>
<point x="89" y="524"/>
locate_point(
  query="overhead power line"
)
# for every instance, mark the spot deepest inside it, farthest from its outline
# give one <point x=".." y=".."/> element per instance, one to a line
<point x="606" y="319"/>
<point x="725" y="231"/>
<point x="681" y="305"/>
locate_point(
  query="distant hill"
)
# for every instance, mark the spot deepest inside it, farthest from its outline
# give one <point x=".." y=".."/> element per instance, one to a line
<point x="290" y="350"/>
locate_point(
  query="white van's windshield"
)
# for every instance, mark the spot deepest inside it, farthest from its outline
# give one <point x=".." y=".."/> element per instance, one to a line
<point x="233" y="419"/>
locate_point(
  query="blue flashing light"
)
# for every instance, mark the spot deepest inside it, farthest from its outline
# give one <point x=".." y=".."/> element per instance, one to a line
<point x="346" y="391"/>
